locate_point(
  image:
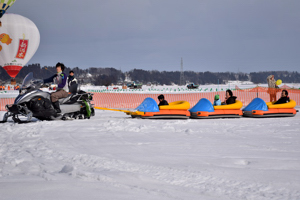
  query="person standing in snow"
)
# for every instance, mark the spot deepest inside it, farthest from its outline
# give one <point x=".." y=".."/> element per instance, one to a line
<point x="60" y="79"/>
<point x="71" y="79"/>
<point x="272" y="87"/>
<point x="162" y="101"/>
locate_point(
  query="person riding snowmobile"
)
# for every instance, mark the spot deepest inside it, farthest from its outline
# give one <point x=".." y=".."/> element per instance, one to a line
<point x="60" y="78"/>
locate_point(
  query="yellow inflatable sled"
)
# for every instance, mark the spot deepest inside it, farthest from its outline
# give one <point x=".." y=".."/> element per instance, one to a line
<point x="149" y="109"/>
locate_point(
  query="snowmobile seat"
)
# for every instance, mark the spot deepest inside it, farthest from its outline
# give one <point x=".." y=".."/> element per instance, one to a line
<point x="64" y="100"/>
<point x="73" y="90"/>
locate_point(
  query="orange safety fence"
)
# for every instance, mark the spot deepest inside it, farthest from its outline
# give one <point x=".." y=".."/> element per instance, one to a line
<point x="132" y="100"/>
<point x="4" y="102"/>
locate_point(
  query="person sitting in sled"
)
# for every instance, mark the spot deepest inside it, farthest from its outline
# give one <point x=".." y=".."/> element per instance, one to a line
<point x="284" y="97"/>
<point x="217" y="101"/>
<point x="162" y="101"/>
<point x="229" y="98"/>
<point x="60" y="79"/>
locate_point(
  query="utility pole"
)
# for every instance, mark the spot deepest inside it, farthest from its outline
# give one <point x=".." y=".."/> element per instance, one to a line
<point x="181" y="74"/>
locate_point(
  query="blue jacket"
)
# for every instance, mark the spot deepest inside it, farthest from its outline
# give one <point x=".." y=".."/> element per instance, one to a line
<point x="217" y="102"/>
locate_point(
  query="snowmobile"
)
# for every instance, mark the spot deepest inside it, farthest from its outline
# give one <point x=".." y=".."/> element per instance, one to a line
<point x="34" y="102"/>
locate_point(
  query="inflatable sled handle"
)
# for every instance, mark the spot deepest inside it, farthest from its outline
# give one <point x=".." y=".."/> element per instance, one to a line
<point x="125" y="111"/>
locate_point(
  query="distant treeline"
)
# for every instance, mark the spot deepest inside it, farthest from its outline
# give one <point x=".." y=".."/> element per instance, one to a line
<point x="108" y="76"/>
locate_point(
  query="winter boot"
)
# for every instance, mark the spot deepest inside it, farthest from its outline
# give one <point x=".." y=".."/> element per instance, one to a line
<point x="56" y="107"/>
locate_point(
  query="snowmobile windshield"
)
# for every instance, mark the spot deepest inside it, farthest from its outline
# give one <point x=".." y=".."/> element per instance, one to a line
<point x="27" y="81"/>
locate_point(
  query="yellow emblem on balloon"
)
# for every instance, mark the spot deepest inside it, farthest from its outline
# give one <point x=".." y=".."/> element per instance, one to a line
<point x="4" y="38"/>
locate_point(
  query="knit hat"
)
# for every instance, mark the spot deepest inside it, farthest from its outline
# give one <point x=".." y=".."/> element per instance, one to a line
<point x="217" y="97"/>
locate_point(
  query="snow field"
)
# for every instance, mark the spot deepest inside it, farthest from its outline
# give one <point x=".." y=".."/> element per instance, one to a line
<point x="112" y="156"/>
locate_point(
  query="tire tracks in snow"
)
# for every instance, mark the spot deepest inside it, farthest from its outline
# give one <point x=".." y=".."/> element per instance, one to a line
<point x="200" y="182"/>
<point x="24" y="152"/>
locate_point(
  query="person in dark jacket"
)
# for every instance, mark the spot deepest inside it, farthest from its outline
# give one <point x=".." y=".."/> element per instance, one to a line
<point x="162" y="101"/>
<point x="71" y="79"/>
<point x="284" y="97"/>
<point x="60" y="78"/>
<point x="229" y="98"/>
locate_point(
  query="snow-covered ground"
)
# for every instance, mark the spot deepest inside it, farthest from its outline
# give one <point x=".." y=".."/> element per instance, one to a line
<point x="113" y="156"/>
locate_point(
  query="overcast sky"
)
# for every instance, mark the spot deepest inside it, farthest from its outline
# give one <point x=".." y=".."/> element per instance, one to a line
<point x="210" y="35"/>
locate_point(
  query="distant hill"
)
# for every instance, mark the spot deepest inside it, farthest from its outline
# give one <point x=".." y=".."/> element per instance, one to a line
<point x="107" y="76"/>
